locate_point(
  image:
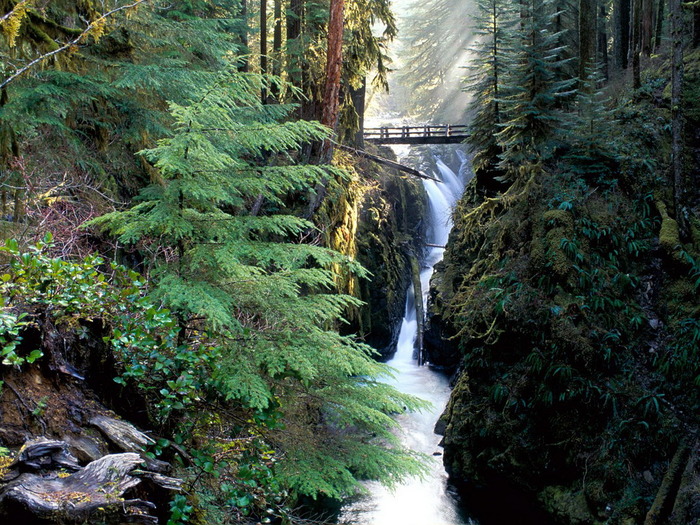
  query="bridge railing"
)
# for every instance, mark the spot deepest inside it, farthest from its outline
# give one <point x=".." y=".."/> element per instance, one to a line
<point x="405" y="132"/>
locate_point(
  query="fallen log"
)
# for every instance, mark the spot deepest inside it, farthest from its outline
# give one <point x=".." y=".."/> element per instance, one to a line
<point x="389" y="163"/>
<point x="92" y="494"/>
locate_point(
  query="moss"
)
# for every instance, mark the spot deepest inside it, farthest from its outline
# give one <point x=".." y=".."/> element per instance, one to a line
<point x="567" y="506"/>
<point x="5" y="462"/>
<point x="559" y="218"/>
<point x="669" y="236"/>
<point x="558" y="225"/>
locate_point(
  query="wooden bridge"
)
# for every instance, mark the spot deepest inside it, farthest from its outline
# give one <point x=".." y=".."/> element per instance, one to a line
<point x="417" y="135"/>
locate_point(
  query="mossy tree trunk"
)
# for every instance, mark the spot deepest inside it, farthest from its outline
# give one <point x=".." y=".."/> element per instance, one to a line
<point x="666" y="496"/>
<point x="677" y="120"/>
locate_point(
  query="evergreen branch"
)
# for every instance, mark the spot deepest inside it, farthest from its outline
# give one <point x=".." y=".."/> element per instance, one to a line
<point x="77" y="40"/>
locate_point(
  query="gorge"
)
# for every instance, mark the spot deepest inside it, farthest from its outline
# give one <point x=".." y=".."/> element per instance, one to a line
<point x="203" y="275"/>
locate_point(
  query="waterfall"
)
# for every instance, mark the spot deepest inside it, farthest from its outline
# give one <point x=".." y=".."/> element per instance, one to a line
<point x="419" y="501"/>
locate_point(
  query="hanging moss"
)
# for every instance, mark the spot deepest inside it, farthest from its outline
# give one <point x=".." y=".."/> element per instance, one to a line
<point x="377" y="218"/>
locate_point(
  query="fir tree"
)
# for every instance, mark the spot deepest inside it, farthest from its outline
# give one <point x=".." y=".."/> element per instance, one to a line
<point x="240" y="275"/>
<point x="494" y="26"/>
<point x="534" y="92"/>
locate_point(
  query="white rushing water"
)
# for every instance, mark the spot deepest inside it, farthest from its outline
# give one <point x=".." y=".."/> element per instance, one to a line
<point x="419" y="501"/>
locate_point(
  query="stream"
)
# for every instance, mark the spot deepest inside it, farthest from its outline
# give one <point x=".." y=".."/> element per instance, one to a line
<point x="425" y="501"/>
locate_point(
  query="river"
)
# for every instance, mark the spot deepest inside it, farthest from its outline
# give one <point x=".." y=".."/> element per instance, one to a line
<point x="426" y="501"/>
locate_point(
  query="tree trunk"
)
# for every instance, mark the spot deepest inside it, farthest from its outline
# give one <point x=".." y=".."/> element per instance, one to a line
<point x="263" y="45"/>
<point x="677" y="120"/>
<point x="621" y="22"/>
<point x="277" y="40"/>
<point x="603" y="40"/>
<point x="420" y="313"/>
<point x="636" y="43"/>
<point x="358" y="102"/>
<point x="495" y="64"/>
<point x="331" y="94"/>
<point x="334" y="63"/>
<point x="587" y="40"/>
<point x="647" y="27"/>
<point x="295" y="15"/>
<point x="659" y="24"/>
<point x="666" y="496"/>
<point x="245" y="64"/>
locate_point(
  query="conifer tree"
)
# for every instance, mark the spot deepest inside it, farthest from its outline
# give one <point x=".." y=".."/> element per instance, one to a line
<point x="534" y="90"/>
<point x="266" y="299"/>
<point x="494" y="26"/>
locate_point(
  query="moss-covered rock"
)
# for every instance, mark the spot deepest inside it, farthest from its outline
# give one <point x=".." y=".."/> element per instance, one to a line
<point x="567" y="506"/>
<point x="378" y="220"/>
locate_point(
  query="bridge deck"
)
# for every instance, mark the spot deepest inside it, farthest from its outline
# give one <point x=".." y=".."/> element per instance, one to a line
<point x="417" y="135"/>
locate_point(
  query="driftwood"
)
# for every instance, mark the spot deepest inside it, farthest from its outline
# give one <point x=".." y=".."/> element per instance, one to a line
<point x="90" y="494"/>
<point x="93" y="493"/>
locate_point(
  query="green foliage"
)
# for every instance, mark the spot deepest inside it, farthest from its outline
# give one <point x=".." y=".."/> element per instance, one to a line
<point x="245" y="285"/>
<point x="534" y="91"/>
<point x="495" y="24"/>
<point x="144" y="337"/>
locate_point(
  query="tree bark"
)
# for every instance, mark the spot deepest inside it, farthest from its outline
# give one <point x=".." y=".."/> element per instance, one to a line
<point x="666" y="496"/>
<point x="636" y="43"/>
<point x="677" y="117"/>
<point x="621" y="22"/>
<point x="603" y="40"/>
<point x="587" y="40"/>
<point x="647" y="29"/>
<point x="245" y="64"/>
<point x="276" y="48"/>
<point x="331" y="94"/>
<point x="334" y="63"/>
<point x="263" y="45"/>
<point x="420" y="313"/>
<point x="358" y="102"/>
<point x="659" y="24"/>
<point x="277" y="40"/>
<point x="295" y="15"/>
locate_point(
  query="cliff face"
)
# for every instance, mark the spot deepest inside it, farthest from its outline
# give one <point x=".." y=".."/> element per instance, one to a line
<point x="379" y="220"/>
<point x="574" y="303"/>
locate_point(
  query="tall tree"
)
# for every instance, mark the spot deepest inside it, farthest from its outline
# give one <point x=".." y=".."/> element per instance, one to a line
<point x="659" y="24"/>
<point x="334" y="64"/>
<point x="587" y="13"/>
<point x="263" y="45"/>
<point x="677" y="118"/>
<point x="602" y="55"/>
<point x="277" y="39"/>
<point x="647" y="26"/>
<point x="534" y="91"/>
<point x="494" y="26"/>
<point x="636" y="43"/>
<point x="621" y="32"/>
